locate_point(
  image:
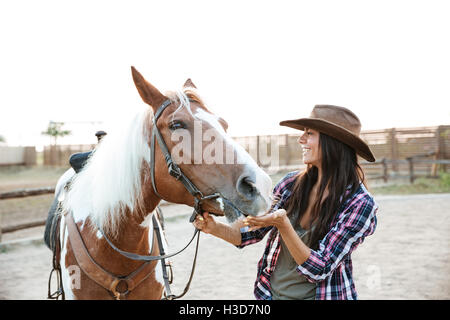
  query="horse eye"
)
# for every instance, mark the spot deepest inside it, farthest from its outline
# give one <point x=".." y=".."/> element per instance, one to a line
<point x="176" y="125"/>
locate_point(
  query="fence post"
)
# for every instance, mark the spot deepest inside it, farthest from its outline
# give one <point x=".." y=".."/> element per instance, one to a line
<point x="441" y="135"/>
<point x="257" y="151"/>
<point x="385" y="169"/>
<point x="288" y="150"/>
<point x="411" y="169"/>
<point x="394" y="149"/>
<point x="30" y="156"/>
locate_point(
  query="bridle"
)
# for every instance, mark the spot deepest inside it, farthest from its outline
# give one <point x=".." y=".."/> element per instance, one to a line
<point x="199" y="198"/>
<point x="174" y="170"/>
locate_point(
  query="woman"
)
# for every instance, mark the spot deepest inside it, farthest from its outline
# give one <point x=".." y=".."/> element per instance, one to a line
<point x="319" y="216"/>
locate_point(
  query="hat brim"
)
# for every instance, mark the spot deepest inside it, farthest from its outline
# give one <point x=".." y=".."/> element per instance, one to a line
<point x="335" y="131"/>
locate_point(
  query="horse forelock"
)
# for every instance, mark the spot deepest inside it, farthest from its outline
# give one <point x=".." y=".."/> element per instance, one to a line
<point x="184" y="98"/>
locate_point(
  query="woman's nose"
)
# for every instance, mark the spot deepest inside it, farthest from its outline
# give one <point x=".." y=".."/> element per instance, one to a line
<point x="301" y="139"/>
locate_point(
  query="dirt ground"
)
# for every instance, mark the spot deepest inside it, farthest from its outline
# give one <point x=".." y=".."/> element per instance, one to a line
<point x="408" y="257"/>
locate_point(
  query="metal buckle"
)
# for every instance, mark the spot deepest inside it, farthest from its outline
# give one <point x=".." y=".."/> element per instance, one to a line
<point x="119" y="295"/>
<point x="174" y="171"/>
<point x="169" y="264"/>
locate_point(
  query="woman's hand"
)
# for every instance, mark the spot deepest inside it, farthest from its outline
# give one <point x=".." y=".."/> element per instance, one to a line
<point x="277" y="219"/>
<point x="205" y="222"/>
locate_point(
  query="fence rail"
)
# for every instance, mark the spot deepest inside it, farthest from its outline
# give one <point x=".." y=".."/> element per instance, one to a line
<point x="21" y="193"/>
<point x="26" y="193"/>
<point x="410" y="162"/>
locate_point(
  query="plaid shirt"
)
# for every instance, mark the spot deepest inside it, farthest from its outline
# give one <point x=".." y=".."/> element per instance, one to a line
<point x="330" y="267"/>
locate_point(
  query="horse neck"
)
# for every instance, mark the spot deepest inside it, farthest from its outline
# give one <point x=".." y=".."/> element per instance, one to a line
<point x="136" y="225"/>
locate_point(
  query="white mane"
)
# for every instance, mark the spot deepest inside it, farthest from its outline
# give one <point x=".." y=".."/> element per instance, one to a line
<point x="111" y="180"/>
<point x="110" y="183"/>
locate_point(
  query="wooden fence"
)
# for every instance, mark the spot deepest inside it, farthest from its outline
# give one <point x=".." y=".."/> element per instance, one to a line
<point x="395" y="144"/>
<point x="283" y="151"/>
<point x="380" y="169"/>
<point x="400" y="144"/>
<point x="59" y="155"/>
<point x="20" y="194"/>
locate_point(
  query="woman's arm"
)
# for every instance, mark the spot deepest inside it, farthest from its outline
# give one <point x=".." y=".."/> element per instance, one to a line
<point x="236" y="234"/>
<point x="229" y="233"/>
<point x="357" y="222"/>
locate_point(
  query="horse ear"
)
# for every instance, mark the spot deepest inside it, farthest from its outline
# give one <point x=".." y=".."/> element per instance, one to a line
<point x="146" y="90"/>
<point x="189" y="84"/>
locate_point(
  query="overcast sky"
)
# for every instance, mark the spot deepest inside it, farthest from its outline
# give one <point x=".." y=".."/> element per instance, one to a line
<point x="255" y="62"/>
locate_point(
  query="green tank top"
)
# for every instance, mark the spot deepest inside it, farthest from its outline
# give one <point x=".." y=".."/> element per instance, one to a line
<point x="286" y="283"/>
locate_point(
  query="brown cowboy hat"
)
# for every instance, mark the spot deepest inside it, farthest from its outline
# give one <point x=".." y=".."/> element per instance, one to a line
<point x="337" y="122"/>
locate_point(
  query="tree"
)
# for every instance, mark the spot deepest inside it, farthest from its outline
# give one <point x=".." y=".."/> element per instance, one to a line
<point x="55" y="130"/>
<point x="2" y="138"/>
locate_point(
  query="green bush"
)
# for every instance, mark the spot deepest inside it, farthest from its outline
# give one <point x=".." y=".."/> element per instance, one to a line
<point x="444" y="179"/>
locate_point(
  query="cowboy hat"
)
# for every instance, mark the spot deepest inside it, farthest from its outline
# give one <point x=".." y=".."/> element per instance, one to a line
<point x="337" y="122"/>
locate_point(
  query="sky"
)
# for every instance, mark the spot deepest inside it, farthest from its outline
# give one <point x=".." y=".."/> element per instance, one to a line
<point x="255" y="62"/>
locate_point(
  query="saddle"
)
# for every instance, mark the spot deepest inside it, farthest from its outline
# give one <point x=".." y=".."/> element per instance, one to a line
<point x="78" y="160"/>
<point x="52" y="226"/>
<point x="52" y="240"/>
<point x="51" y="233"/>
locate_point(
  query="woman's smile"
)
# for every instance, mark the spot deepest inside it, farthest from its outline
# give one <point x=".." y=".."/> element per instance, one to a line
<point x="310" y="145"/>
<point x="305" y="150"/>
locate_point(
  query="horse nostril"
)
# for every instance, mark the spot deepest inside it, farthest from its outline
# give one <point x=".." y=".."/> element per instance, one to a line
<point x="246" y="187"/>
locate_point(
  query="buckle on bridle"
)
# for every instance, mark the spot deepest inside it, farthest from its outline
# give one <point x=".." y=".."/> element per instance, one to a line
<point x="198" y="204"/>
<point x="174" y="170"/>
<point x="119" y="295"/>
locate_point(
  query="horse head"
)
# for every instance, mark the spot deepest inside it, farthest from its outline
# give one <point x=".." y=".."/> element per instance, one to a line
<point x="198" y="143"/>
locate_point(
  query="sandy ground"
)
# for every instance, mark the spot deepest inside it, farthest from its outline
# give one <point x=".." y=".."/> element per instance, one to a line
<point x="408" y="257"/>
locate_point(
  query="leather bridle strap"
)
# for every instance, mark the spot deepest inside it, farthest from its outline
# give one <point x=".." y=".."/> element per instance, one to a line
<point x="174" y="169"/>
<point x="138" y="257"/>
<point x="98" y="274"/>
<point x="160" y="110"/>
<point x="162" y="257"/>
<point x="168" y="293"/>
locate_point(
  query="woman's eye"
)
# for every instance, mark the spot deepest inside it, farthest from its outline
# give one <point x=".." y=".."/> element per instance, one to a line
<point x="176" y="125"/>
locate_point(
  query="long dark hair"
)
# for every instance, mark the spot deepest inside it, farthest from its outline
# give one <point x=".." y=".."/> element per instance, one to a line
<point x="340" y="170"/>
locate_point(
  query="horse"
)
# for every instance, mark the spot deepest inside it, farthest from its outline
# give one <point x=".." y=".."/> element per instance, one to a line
<point x="111" y="202"/>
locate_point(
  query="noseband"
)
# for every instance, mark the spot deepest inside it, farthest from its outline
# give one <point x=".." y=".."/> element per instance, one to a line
<point x="174" y="170"/>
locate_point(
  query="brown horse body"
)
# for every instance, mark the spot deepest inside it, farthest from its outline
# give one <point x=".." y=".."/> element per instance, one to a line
<point x="108" y="199"/>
